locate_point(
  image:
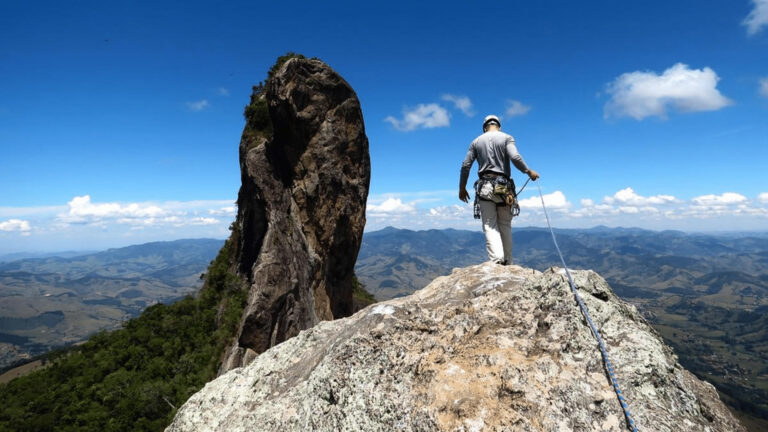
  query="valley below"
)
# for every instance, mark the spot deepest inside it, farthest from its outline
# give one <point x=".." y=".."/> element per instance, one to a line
<point x="52" y="302"/>
<point x="707" y="295"/>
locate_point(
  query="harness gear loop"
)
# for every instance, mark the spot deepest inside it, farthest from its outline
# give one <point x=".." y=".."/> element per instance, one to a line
<point x="497" y="188"/>
<point x="600" y="343"/>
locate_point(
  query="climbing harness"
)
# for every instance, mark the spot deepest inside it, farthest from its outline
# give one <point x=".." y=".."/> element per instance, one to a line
<point x="603" y="350"/>
<point x="497" y="188"/>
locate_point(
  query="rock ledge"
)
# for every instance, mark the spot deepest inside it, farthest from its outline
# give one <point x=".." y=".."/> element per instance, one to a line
<point x="487" y="348"/>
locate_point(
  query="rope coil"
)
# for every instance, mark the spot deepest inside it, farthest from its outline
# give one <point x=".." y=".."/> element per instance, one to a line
<point x="600" y="343"/>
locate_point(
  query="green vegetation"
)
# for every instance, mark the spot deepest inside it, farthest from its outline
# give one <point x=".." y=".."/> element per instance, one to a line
<point x="256" y="113"/>
<point x="92" y="292"/>
<point x="360" y="295"/>
<point x="725" y="346"/>
<point x="281" y="61"/>
<point x="134" y="378"/>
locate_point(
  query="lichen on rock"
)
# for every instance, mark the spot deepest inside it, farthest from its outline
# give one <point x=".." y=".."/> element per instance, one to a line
<point x="487" y="348"/>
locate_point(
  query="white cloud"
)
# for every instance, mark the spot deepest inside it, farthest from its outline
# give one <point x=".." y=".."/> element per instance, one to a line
<point x="728" y="198"/>
<point x="17" y="212"/>
<point x="198" y="105"/>
<point x="81" y="209"/>
<point x="516" y="108"/>
<point x="644" y="94"/>
<point x="628" y="196"/>
<point x="84" y="224"/>
<point x="423" y="116"/>
<point x="713" y="212"/>
<point x="221" y="91"/>
<point x="764" y="87"/>
<point x="392" y="205"/>
<point x="556" y="200"/>
<point x="16" y="225"/>
<point x="451" y="212"/>
<point x="204" y="221"/>
<point x="757" y="18"/>
<point x="461" y="103"/>
<point x="224" y="211"/>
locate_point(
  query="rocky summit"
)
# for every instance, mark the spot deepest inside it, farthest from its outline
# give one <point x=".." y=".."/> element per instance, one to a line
<point x="487" y="348"/>
<point x="305" y="172"/>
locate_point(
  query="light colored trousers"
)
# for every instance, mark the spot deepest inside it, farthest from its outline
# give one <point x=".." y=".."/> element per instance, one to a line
<point x="497" y="226"/>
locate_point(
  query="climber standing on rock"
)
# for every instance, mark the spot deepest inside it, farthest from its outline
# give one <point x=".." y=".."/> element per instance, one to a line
<point x="495" y="197"/>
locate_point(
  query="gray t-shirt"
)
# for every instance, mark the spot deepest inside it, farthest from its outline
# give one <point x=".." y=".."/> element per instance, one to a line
<point x="493" y="151"/>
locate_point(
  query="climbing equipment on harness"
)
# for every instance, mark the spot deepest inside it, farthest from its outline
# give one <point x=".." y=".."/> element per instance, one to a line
<point x="603" y="350"/>
<point x="497" y="188"/>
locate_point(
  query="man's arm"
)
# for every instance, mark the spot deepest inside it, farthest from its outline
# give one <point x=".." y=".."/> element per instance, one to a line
<point x="517" y="159"/>
<point x="469" y="159"/>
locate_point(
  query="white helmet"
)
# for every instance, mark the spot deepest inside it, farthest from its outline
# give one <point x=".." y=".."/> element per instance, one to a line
<point x="489" y="119"/>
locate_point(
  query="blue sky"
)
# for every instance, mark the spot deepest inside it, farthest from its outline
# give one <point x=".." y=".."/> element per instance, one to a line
<point x="120" y="121"/>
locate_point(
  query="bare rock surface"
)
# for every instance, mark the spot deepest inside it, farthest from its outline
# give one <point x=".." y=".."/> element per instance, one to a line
<point x="487" y="348"/>
<point x="305" y="172"/>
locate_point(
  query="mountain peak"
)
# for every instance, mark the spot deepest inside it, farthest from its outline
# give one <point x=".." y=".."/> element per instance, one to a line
<point x="485" y="348"/>
<point x="305" y="171"/>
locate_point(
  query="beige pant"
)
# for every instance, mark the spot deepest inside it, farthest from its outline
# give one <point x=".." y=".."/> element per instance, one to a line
<point x="497" y="226"/>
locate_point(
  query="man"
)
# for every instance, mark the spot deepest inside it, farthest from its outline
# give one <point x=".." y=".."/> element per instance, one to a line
<point x="493" y="151"/>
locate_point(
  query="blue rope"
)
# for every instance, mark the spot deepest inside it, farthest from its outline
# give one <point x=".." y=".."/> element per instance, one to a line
<point x="603" y="350"/>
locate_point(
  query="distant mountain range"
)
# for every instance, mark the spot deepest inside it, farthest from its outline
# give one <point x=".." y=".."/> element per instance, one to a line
<point x="706" y="294"/>
<point x="394" y="262"/>
<point x="53" y="301"/>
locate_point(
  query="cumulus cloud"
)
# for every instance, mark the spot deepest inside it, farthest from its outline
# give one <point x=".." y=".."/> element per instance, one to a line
<point x="224" y="211"/>
<point x="719" y="211"/>
<point x="451" y="212"/>
<point x="757" y="18"/>
<point x="556" y="200"/>
<point x="461" y="103"/>
<point x="221" y="91"/>
<point x="628" y="196"/>
<point x="197" y="105"/>
<point x="204" y="221"/>
<point x="727" y="198"/>
<point x="16" y="225"/>
<point x="764" y="87"/>
<point x="86" y="224"/>
<point x="644" y="94"/>
<point x="392" y="205"/>
<point x="516" y="108"/>
<point x="421" y="117"/>
<point x="666" y="209"/>
<point x="81" y="209"/>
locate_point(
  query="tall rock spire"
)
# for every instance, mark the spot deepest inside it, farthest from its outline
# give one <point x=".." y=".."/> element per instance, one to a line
<point x="305" y="172"/>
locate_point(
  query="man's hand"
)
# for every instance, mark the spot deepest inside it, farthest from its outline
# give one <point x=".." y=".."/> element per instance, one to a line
<point x="533" y="174"/>
<point x="463" y="195"/>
